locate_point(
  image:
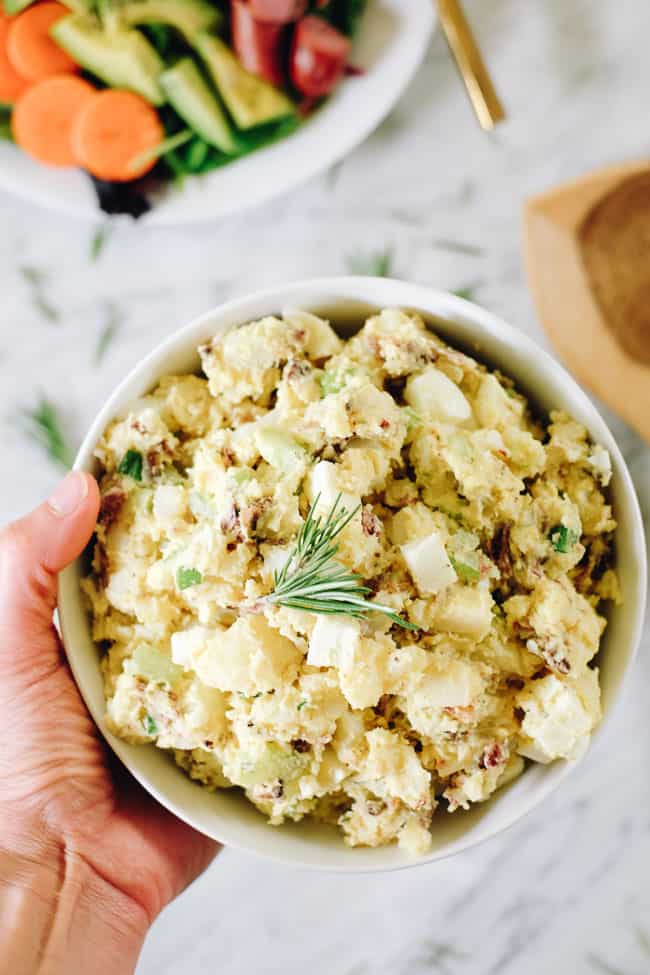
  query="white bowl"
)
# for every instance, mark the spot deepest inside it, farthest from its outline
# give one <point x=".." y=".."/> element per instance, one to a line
<point x="393" y="39"/>
<point x="229" y="817"/>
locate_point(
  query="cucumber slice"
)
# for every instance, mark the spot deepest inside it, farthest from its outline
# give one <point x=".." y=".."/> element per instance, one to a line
<point x="121" y="58"/>
<point x="250" y="100"/>
<point x="188" y="17"/>
<point x="190" y="95"/>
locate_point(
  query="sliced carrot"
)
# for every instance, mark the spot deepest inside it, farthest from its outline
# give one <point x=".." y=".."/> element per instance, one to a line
<point x="43" y="119"/>
<point x="12" y="84"/>
<point x="31" y="50"/>
<point x="113" y="129"/>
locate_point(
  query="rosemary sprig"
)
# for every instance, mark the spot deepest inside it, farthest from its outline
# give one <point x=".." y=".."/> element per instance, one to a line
<point x="312" y="580"/>
<point x="375" y="265"/>
<point x="43" y="425"/>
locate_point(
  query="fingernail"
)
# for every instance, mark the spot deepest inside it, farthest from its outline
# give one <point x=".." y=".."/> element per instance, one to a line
<point x="69" y="494"/>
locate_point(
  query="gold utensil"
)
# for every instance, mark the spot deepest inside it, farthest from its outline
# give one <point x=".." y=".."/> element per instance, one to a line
<point x="471" y="66"/>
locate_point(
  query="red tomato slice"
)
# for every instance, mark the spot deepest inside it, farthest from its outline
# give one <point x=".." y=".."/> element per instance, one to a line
<point x="277" y="11"/>
<point x="259" y="45"/>
<point x="318" y="58"/>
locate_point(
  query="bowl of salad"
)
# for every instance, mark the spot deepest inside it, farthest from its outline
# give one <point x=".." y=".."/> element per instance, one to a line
<point x="368" y="574"/>
<point x="191" y="109"/>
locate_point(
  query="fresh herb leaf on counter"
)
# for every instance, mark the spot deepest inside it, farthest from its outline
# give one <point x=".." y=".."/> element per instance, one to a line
<point x="43" y="425"/>
<point x="377" y="265"/>
<point x="131" y="465"/>
<point x="110" y="329"/>
<point x="98" y="241"/>
<point x="186" y="578"/>
<point x="35" y="278"/>
<point x="466" y="293"/>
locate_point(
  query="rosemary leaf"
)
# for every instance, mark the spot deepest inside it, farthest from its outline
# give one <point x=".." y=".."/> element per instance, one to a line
<point x="36" y="279"/>
<point x="313" y="581"/>
<point x="42" y="424"/>
<point x="99" y="240"/>
<point x="374" y="265"/>
<point x="108" y="334"/>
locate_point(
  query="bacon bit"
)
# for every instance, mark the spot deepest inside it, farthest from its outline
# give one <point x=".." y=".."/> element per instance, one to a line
<point x="278" y="790"/>
<point x="492" y="756"/>
<point x="208" y="743"/>
<point x="460" y="713"/>
<point x="499" y="549"/>
<point x="384" y="424"/>
<point x="299" y="334"/>
<point x="111" y="506"/>
<point x="227" y="456"/>
<point x="370" y="523"/>
<point x="395" y="386"/>
<point x="251" y="514"/>
<point x="296" y="369"/>
<point x="541" y="673"/>
<point x="138" y="427"/>
<point x="374" y="806"/>
<point x="300" y="745"/>
<point x="519" y="714"/>
<point x="352" y="70"/>
<point x="515" y="683"/>
<point x="230" y="521"/>
<point x="382" y="705"/>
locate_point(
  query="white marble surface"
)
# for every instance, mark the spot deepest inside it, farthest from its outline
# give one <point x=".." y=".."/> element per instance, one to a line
<point x="567" y="890"/>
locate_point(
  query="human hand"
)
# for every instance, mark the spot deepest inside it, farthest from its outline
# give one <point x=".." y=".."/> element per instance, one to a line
<point x="87" y="858"/>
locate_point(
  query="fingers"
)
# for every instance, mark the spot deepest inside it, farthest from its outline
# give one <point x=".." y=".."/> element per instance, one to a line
<point x="32" y="552"/>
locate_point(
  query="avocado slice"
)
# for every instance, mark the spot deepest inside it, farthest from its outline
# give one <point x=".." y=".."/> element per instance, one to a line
<point x="250" y="100"/>
<point x="121" y="58"/>
<point x="189" y="17"/>
<point x="15" y="6"/>
<point x="190" y="95"/>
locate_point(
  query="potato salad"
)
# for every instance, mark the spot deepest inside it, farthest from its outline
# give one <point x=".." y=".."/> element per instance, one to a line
<point x="481" y="530"/>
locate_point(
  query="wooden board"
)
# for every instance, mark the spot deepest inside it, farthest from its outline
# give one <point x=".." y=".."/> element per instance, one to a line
<point x="567" y="304"/>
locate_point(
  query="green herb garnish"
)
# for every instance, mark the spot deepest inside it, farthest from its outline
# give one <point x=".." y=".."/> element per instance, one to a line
<point x="377" y="265"/>
<point x="36" y="280"/>
<point x="466" y="293"/>
<point x="311" y="579"/>
<point x="43" y="425"/>
<point x="110" y="328"/>
<point x="186" y="578"/>
<point x="301" y="705"/>
<point x="331" y="382"/>
<point x="161" y="149"/>
<point x="470" y="573"/>
<point x="131" y="465"/>
<point x="413" y="418"/>
<point x="98" y="241"/>
<point x="562" y="538"/>
<point x="149" y="725"/>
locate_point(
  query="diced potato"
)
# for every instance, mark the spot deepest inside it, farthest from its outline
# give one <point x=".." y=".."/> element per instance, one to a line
<point x="466" y="610"/>
<point x="429" y="564"/>
<point x="432" y="393"/>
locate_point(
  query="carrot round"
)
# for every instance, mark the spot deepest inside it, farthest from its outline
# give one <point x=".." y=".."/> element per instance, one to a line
<point x="12" y="83"/>
<point x="31" y="50"/>
<point x="112" y="131"/>
<point x="43" y="118"/>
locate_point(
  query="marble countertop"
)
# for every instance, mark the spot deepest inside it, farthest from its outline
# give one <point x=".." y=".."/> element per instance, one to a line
<point x="568" y="889"/>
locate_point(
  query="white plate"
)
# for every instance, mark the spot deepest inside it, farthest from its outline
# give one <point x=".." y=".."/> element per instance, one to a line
<point x="392" y="42"/>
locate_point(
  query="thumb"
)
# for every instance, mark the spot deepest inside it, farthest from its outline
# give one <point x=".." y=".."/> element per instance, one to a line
<point x="32" y="551"/>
